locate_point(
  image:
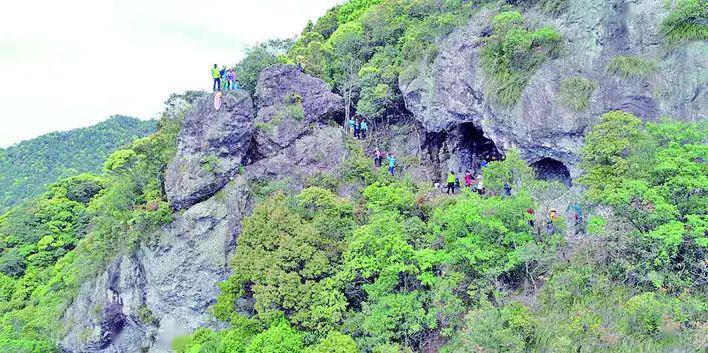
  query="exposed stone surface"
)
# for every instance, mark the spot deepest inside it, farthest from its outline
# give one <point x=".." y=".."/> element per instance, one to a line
<point x="451" y="90"/>
<point x="173" y="279"/>
<point x="289" y="103"/>
<point x="210" y="148"/>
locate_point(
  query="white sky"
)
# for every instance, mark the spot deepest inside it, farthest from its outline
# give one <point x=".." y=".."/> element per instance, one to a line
<point x="72" y="63"/>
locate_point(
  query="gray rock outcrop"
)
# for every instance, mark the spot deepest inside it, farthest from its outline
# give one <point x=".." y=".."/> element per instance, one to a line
<point x="146" y="299"/>
<point x="450" y="91"/>
<point x="289" y="104"/>
<point x="210" y="148"/>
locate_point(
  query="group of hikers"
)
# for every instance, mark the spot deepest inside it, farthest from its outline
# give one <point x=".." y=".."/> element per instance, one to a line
<point x="359" y="127"/>
<point x="379" y="157"/>
<point x="224" y="79"/>
<point x="472" y="183"/>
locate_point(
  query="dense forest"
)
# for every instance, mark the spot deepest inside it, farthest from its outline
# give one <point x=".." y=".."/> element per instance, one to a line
<point x="395" y="266"/>
<point x="27" y="167"/>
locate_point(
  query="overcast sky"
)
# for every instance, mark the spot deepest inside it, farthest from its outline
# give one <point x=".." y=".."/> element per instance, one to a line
<point x="72" y="63"/>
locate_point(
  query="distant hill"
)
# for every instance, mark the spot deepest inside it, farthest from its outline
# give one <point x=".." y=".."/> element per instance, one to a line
<point x="27" y="167"/>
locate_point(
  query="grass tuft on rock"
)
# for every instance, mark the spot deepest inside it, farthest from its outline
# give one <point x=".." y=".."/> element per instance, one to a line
<point x="626" y="66"/>
<point x="687" y="21"/>
<point x="512" y="54"/>
<point x="575" y="92"/>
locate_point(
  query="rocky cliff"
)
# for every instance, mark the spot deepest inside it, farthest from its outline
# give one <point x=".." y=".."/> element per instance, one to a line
<point x="288" y="132"/>
<point x="163" y="288"/>
<point x="448" y="95"/>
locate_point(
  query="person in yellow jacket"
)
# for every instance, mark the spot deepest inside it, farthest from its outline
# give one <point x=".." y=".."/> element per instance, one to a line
<point x="451" y="182"/>
<point x="216" y="76"/>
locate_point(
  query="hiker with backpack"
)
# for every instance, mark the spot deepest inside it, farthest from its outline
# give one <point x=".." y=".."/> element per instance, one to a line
<point x="216" y="76"/>
<point x="391" y="164"/>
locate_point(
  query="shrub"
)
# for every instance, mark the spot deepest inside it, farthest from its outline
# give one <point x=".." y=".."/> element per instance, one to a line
<point x="631" y="67"/>
<point x="687" y="21"/>
<point x="279" y="338"/>
<point x="575" y="92"/>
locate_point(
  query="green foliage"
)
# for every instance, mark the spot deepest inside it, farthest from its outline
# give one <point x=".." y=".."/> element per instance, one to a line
<point x="512" y="54"/>
<point x="234" y="339"/>
<point x="687" y="21"/>
<point x="626" y="67"/>
<point x="51" y="244"/>
<point x="258" y="58"/>
<point x="575" y="92"/>
<point x="29" y="166"/>
<point x="353" y="9"/>
<point x="279" y="338"/>
<point x="361" y="46"/>
<point x="496" y="330"/>
<point x="653" y="178"/>
<point x="286" y="254"/>
<point x="512" y="171"/>
<point x="335" y="342"/>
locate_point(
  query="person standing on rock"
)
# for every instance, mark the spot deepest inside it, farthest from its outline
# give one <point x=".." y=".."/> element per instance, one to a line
<point x="391" y="164"/>
<point x="230" y="77"/>
<point x="364" y="128"/>
<point x="216" y="76"/>
<point x="451" y="183"/>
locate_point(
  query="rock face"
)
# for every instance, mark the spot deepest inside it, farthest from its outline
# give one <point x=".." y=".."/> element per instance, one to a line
<point x="210" y="148"/>
<point x="289" y="104"/>
<point x="450" y="91"/>
<point x="163" y="289"/>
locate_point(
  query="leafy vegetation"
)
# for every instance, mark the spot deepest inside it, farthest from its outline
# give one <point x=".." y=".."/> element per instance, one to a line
<point x="512" y="54"/>
<point x="626" y="66"/>
<point x="687" y="21"/>
<point x="29" y="166"/>
<point x="575" y="92"/>
<point x="258" y="58"/>
<point x="405" y="267"/>
<point x="51" y="244"/>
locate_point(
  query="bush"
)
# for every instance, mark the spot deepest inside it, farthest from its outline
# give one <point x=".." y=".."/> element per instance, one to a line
<point x="631" y="67"/>
<point x="279" y="338"/>
<point x="687" y="21"/>
<point x="575" y="92"/>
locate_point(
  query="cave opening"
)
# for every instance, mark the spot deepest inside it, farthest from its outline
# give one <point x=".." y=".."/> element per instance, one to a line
<point x="550" y="169"/>
<point x="475" y="147"/>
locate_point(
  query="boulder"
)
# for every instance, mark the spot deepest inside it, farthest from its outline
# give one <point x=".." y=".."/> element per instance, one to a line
<point x="289" y="104"/>
<point x="211" y="147"/>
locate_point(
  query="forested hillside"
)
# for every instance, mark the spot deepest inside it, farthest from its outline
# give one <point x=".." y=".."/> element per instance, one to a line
<point x="27" y="167"/>
<point x="265" y="226"/>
